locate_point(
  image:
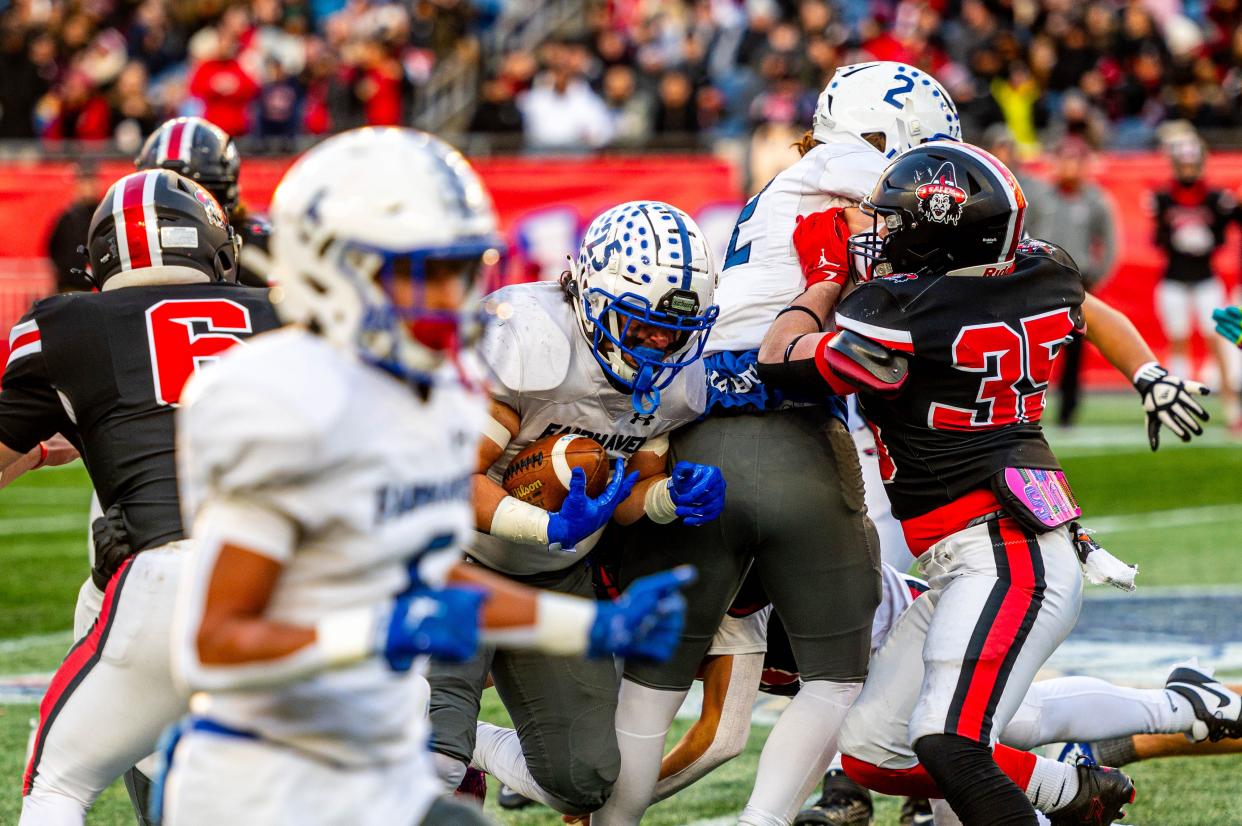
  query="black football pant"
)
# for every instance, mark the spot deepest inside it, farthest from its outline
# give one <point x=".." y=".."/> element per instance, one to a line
<point x="795" y="509"/>
<point x="563" y="708"/>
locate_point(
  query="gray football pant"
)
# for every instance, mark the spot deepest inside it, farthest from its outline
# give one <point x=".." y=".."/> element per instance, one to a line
<point x="563" y="708"/>
<point x="794" y="509"/>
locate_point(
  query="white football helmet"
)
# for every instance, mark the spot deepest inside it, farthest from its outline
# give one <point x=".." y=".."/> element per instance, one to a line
<point x="355" y="223"/>
<point x="908" y="105"/>
<point x="644" y="268"/>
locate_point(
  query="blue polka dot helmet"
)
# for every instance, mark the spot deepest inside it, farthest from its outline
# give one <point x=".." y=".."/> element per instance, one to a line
<point x="643" y="287"/>
<point x="906" y="104"/>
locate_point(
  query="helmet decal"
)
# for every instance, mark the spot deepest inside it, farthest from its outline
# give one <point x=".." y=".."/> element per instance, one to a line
<point x="940" y="199"/>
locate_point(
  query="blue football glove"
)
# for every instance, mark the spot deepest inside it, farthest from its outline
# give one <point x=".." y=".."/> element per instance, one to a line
<point x="580" y="515"/>
<point x="698" y="491"/>
<point x="645" y="622"/>
<point x="443" y="623"/>
<point x="1229" y="324"/>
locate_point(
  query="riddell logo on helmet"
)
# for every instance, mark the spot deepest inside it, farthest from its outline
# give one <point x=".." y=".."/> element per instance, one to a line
<point x="940" y="199"/>
<point x="1000" y="269"/>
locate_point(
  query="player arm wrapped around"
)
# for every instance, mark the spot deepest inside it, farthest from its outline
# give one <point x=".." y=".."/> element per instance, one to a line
<point x="692" y="492"/>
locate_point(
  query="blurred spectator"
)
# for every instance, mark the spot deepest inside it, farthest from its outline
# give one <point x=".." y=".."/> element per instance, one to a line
<point x="1076" y="215"/>
<point x="132" y="114"/>
<point x="27" y="69"/>
<point x="629" y="108"/>
<point x="675" y="112"/>
<point x="76" y="110"/>
<point x="279" y="103"/>
<point x="219" y="81"/>
<point x="69" y="232"/>
<point x="561" y="111"/>
<point x="497" y="112"/>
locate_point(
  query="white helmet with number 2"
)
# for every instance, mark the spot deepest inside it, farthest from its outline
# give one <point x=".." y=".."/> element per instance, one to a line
<point x="359" y="225"/>
<point x="906" y="104"/>
<point x="644" y="273"/>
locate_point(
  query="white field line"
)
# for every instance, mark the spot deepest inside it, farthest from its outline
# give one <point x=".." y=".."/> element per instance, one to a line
<point x="20" y="645"/>
<point x="33" y="525"/>
<point x="1171" y="518"/>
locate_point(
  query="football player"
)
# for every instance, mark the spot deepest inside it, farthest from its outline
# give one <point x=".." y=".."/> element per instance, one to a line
<point x="327" y="474"/>
<point x="204" y="153"/>
<point x="1190" y="219"/>
<point x="611" y="352"/>
<point x="796" y="506"/>
<point x="106" y="369"/>
<point x="950" y="355"/>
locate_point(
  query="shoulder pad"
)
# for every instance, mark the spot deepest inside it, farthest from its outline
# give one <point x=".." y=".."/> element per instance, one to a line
<point x="866" y="364"/>
<point x="1046" y="249"/>
<point x="873" y="311"/>
<point x="526" y="348"/>
<point x="848" y="171"/>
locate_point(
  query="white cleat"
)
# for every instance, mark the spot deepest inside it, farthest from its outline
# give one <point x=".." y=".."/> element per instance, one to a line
<point x="1218" y="709"/>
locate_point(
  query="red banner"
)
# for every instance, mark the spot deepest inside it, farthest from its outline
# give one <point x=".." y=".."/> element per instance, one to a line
<point x="545" y="204"/>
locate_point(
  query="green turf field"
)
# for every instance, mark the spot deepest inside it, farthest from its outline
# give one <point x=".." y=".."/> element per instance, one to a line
<point x="1177" y="513"/>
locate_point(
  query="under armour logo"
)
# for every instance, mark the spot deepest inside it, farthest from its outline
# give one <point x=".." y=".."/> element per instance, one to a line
<point x="645" y="419"/>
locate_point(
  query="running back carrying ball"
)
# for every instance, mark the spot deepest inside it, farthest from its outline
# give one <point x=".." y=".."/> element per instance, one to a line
<point x="539" y="475"/>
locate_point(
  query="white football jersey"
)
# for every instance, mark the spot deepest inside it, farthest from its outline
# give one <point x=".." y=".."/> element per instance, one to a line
<point x="359" y="488"/>
<point x="543" y="368"/>
<point x="761" y="274"/>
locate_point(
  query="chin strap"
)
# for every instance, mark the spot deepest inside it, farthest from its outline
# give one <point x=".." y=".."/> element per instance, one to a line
<point x="646" y="397"/>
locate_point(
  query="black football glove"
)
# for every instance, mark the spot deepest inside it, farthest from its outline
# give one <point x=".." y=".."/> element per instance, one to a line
<point x="1170" y="401"/>
<point x="111" y="545"/>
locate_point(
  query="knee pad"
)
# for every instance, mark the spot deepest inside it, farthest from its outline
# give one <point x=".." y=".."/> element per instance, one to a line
<point x="951" y="753"/>
<point x="450" y="770"/>
<point x="581" y="788"/>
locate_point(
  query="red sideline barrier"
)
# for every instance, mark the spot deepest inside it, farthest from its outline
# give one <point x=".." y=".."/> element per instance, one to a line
<point x="545" y="203"/>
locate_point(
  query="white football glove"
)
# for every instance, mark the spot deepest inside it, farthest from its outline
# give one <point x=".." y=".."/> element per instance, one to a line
<point x="1170" y="401"/>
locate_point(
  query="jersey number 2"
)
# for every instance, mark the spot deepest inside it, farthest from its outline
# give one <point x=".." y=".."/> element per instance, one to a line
<point x="1005" y="356"/>
<point x="185" y="334"/>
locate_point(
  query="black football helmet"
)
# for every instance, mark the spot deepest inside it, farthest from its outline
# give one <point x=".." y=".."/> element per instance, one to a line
<point x="942" y="206"/>
<point x="199" y="150"/>
<point x="159" y="219"/>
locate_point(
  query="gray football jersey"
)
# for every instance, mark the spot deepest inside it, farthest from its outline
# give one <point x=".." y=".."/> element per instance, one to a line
<point x="542" y="367"/>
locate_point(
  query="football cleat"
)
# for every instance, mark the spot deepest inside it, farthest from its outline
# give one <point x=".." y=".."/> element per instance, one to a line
<point x="1102" y="794"/>
<point x="511" y="799"/>
<point x="1218" y="710"/>
<point x="843" y="803"/>
<point x="473" y="787"/>
<point x="916" y="811"/>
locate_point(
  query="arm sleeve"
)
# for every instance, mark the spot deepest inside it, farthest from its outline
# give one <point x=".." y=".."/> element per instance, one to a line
<point x="30" y="409"/>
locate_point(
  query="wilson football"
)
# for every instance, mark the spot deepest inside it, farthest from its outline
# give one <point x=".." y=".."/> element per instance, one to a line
<point x="540" y="473"/>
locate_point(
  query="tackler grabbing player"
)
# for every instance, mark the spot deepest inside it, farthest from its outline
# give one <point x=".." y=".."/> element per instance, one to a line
<point x="613" y="351"/>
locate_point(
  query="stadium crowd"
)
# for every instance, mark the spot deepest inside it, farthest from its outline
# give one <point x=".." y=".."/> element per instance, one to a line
<point x="642" y="72"/>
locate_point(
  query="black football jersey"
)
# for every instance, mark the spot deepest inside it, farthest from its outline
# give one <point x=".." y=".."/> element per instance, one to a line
<point x="1190" y="226"/>
<point x="107" y="369"/>
<point x="980" y="349"/>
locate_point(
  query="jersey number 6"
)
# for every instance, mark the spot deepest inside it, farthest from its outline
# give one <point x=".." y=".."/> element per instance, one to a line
<point x="185" y="334"/>
<point x="1005" y="356"/>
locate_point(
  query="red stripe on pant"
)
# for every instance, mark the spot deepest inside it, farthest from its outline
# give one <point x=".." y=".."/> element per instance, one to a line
<point x="1007" y="627"/>
<point x="77" y="664"/>
<point x="916" y="782"/>
<point x="135" y="227"/>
